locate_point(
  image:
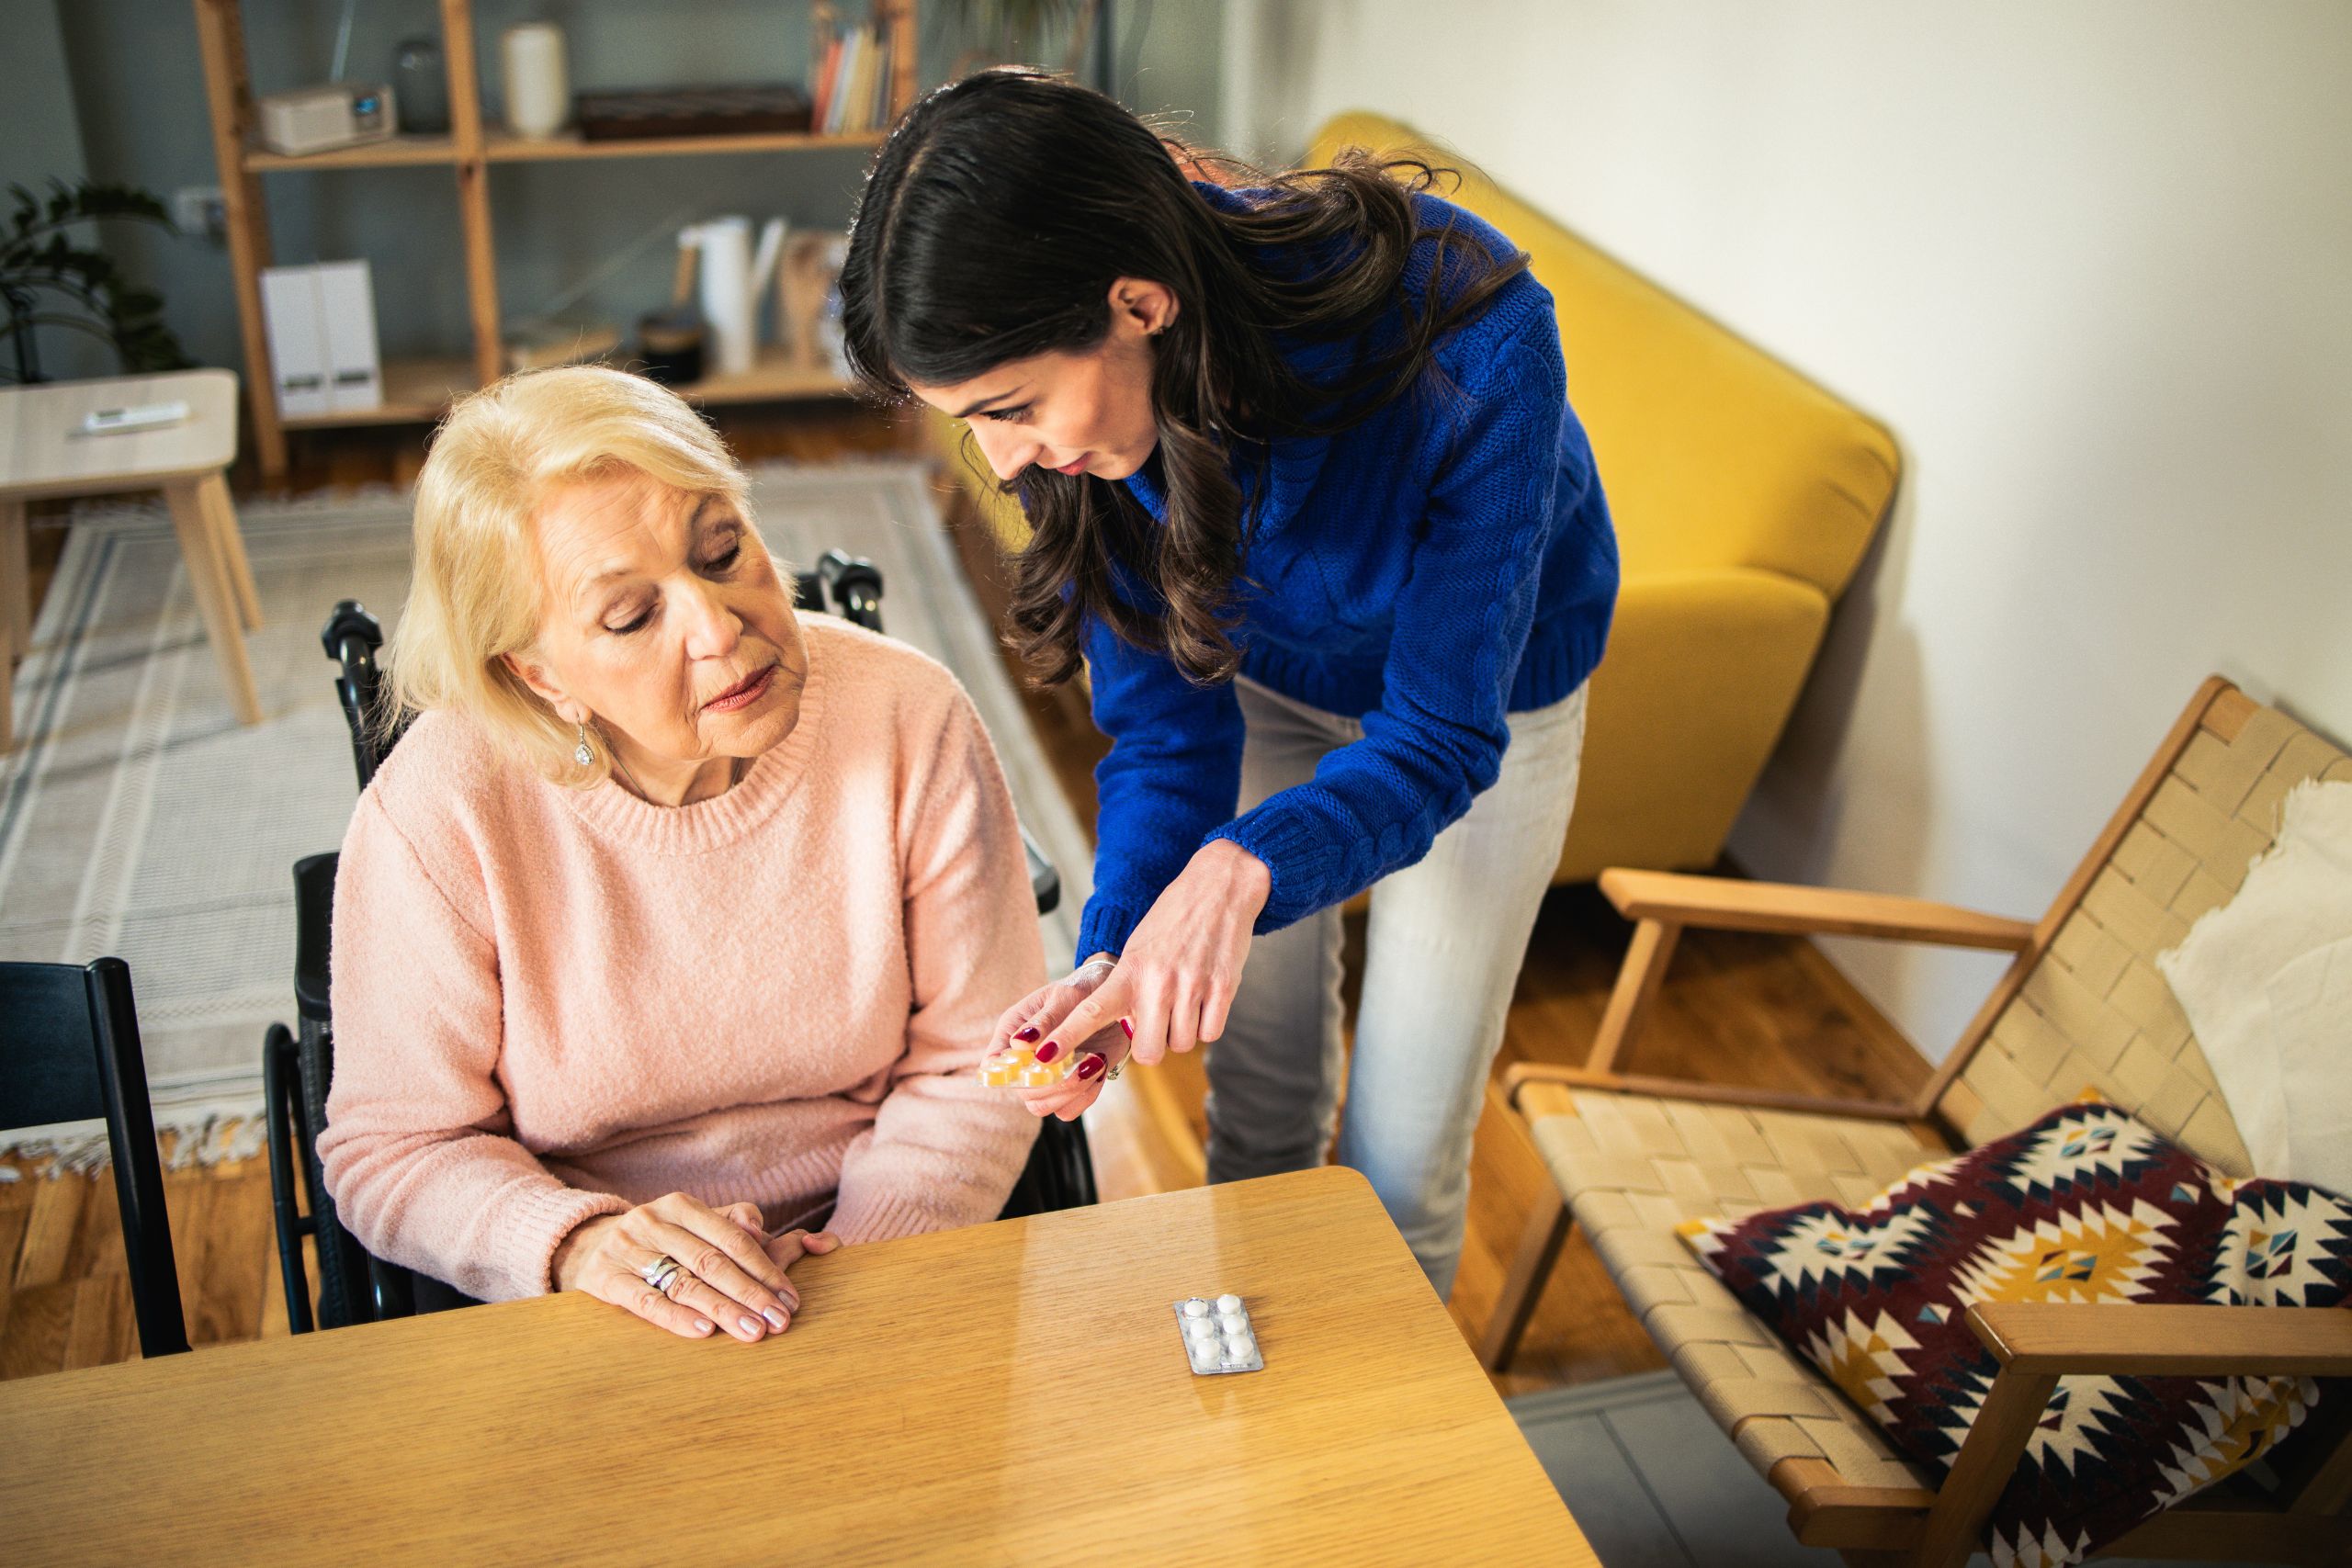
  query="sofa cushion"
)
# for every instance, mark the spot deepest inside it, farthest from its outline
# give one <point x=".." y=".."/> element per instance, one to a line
<point x="2084" y="1205"/>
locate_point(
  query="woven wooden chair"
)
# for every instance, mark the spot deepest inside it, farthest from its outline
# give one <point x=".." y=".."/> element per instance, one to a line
<point x="2081" y="1005"/>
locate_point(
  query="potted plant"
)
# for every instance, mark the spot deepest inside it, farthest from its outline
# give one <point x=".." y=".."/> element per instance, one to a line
<point x="49" y="281"/>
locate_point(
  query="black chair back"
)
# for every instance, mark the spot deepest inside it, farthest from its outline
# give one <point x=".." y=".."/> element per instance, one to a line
<point x="69" y="1051"/>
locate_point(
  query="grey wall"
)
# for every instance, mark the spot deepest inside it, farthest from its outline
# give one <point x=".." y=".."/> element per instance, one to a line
<point x="40" y="141"/>
<point x="140" y="95"/>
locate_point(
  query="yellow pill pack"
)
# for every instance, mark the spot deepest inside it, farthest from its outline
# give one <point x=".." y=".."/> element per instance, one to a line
<point x="1017" y="1066"/>
<point x="1218" y="1336"/>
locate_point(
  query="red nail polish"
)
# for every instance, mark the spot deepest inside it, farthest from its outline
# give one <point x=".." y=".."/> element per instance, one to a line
<point x="1025" y="1035"/>
<point x="1089" y="1065"/>
<point x="1049" y="1050"/>
<point x="1128" y="1027"/>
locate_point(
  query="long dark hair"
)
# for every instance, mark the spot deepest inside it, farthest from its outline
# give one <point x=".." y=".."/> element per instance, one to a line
<point x="991" y="227"/>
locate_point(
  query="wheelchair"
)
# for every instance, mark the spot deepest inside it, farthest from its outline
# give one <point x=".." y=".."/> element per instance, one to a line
<point x="298" y="1065"/>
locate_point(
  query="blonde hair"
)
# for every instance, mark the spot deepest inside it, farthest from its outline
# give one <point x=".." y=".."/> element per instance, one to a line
<point x="476" y="594"/>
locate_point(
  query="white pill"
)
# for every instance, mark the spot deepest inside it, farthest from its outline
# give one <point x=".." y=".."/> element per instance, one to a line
<point x="1239" y="1348"/>
<point x="1228" y="1304"/>
<point x="1234" y="1322"/>
<point x="1196" y="1308"/>
<point x="1205" y="1353"/>
<point x="1200" y="1328"/>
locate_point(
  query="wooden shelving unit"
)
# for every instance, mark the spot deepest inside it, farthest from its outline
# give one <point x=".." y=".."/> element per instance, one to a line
<point x="401" y="152"/>
<point x="416" y="393"/>
<point x="504" y="148"/>
<point x="418" y="390"/>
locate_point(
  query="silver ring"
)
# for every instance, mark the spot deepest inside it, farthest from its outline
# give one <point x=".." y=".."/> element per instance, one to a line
<point x="1115" y="1071"/>
<point x="661" y="1273"/>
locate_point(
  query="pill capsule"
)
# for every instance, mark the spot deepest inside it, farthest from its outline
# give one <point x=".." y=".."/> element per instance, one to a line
<point x="1228" y="1303"/>
<point x="1196" y="1308"/>
<point x="1001" y="1068"/>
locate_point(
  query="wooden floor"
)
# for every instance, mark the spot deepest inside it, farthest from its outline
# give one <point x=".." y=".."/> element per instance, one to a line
<point x="1736" y="1008"/>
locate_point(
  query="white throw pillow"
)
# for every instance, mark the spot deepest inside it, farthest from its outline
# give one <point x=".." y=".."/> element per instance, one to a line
<point x="2311" y="1027"/>
<point x="2296" y="900"/>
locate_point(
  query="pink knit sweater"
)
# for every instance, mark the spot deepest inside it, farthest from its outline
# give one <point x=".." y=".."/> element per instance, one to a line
<point x="552" y="1003"/>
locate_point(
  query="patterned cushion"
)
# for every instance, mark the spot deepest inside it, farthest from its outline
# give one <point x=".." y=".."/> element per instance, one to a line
<point x="2084" y="1205"/>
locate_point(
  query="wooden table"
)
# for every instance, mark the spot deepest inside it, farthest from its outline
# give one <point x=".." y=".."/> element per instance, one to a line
<point x="41" y="457"/>
<point x="1014" y="1392"/>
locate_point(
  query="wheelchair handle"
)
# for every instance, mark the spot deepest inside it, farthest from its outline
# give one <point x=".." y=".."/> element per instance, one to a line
<point x="348" y="623"/>
<point x="856" y="585"/>
<point x="352" y="638"/>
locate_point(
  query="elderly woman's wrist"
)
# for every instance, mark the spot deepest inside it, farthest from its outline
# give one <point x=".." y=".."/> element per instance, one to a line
<point x="572" y="1254"/>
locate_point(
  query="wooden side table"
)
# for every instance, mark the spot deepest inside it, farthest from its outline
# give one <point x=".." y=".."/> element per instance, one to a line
<point x="41" y="455"/>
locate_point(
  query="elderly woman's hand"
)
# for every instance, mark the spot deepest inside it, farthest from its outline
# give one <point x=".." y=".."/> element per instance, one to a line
<point x="1168" y="991"/>
<point x="729" y="1264"/>
<point x="1028" y="1020"/>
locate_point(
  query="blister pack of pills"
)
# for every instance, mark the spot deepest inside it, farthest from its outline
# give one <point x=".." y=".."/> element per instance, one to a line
<point x="1017" y="1066"/>
<point x="1218" y="1336"/>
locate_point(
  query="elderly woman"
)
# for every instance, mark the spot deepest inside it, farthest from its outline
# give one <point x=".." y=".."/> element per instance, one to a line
<point x="675" y="921"/>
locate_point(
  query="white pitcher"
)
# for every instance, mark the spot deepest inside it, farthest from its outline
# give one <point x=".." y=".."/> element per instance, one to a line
<point x="734" y="281"/>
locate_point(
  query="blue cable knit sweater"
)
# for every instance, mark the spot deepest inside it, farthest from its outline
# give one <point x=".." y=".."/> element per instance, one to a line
<point x="1444" y="562"/>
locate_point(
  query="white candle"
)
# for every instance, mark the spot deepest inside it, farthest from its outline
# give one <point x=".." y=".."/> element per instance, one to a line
<point x="538" y="90"/>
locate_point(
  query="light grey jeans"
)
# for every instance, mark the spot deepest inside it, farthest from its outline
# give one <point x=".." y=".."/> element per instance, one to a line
<point x="1445" y="939"/>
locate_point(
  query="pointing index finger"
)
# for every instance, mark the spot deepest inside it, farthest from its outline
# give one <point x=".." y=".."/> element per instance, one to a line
<point x="1094" y="1014"/>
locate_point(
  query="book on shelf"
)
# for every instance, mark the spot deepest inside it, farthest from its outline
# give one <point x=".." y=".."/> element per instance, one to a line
<point x="861" y="85"/>
<point x="851" y="83"/>
<point x="877" y="98"/>
<point x="845" y="88"/>
<point x="828" y="73"/>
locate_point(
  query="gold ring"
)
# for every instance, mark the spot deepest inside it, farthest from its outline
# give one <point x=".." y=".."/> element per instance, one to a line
<point x="1114" y="1073"/>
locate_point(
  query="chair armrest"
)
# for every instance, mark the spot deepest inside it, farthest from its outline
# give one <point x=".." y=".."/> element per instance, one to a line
<point x="1722" y="903"/>
<point x="2038" y="1342"/>
<point x="2167" y="1341"/>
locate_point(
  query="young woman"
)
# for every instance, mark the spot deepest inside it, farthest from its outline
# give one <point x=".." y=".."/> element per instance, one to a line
<point x="1309" y="504"/>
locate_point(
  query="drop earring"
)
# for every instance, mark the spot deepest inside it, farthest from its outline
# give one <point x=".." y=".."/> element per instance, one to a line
<point x="581" y="753"/>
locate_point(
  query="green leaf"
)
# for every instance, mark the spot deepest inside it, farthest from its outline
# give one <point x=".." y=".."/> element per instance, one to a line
<point x="41" y="252"/>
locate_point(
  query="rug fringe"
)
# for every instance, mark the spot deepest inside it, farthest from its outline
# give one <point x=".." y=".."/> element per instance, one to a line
<point x="219" y="1138"/>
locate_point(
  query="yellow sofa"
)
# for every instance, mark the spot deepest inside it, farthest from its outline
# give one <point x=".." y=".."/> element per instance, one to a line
<point x="1743" y="496"/>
